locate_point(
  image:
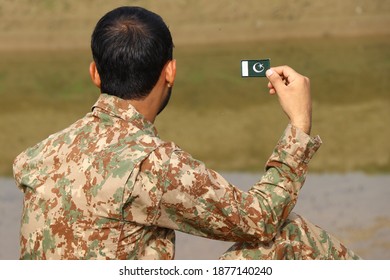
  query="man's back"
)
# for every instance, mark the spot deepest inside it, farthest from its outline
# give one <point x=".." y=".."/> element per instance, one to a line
<point x="78" y="182"/>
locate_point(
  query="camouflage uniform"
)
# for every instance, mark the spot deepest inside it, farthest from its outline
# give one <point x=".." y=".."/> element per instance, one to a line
<point x="107" y="187"/>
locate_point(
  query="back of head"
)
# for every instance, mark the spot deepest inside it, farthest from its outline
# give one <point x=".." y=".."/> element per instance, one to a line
<point x="130" y="46"/>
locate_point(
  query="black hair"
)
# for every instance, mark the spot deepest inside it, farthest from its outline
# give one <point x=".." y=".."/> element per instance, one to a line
<point x="130" y="46"/>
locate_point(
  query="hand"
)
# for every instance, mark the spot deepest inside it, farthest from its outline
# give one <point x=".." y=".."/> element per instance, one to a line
<point x="293" y="91"/>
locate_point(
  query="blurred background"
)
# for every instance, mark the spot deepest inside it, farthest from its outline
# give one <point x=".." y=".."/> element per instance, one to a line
<point x="228" y="122"/>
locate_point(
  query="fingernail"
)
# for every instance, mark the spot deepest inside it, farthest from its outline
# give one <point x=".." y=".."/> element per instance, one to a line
<point x="269" y="72"/>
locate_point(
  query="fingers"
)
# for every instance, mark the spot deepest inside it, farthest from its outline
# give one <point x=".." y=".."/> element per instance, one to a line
<point x="279" y="77"/>
<point x="284" y="73"/>
<point x="271" y="88"/>
<point x="274" y="79"/>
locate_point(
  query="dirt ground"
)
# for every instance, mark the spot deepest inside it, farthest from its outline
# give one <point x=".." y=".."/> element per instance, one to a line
<point x="68" y="24"/>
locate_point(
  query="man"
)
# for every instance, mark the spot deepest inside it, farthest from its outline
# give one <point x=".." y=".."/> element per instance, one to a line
<point x="107" y="187"/>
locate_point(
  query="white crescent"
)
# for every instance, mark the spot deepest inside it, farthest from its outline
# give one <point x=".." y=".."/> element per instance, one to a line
<point x="260" y="69"/>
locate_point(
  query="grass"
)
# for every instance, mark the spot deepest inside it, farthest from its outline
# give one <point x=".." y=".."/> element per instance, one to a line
<point x="228" y="122"/>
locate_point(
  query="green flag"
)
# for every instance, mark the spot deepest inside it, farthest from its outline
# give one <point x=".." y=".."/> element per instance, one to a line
<point x="254" y="68"/>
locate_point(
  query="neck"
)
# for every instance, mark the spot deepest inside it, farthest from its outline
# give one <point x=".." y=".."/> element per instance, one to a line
<point x="152" y="104"/>
<point x="145" y="109"/>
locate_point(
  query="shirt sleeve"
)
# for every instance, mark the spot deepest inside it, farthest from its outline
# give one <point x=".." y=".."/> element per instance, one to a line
<point x="199" y="201"/>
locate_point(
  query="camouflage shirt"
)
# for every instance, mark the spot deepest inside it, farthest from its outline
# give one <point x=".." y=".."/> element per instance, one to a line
<point x="107" y="187"/>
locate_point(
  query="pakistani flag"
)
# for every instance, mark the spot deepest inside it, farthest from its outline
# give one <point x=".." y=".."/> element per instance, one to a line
<point x="254" y="68"/>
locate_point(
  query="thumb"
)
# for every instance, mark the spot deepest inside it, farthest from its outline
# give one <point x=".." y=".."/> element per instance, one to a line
<point x="275" y="79"/>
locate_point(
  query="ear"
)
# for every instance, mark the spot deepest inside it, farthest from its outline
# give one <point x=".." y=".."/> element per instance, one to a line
<point x="170" y="72"/>
<point x="95" y="77"/>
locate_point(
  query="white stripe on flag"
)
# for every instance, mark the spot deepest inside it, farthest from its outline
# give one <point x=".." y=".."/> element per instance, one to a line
<point x="244" y="68"/>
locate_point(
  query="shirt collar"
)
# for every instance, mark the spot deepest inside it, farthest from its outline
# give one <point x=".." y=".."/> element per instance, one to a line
<point x="120" y="108"/>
